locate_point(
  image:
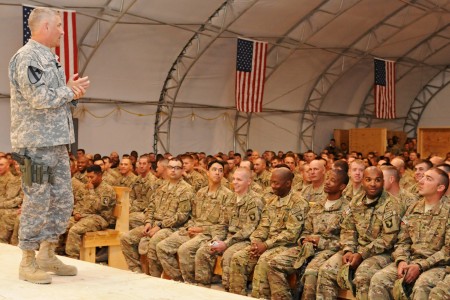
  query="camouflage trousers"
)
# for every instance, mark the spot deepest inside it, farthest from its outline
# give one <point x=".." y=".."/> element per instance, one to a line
<point x="8" y="217"/>
<point x="134" y="244"/>
<point x="441" y="291"/>
<point x="137" y="219"/>
<point x="180" y="243"/>
<point x="327" y="287"/>
<point x="282" y="265"/>
<point x="242" y="264"/>
<point x="89" y="223"/>
<point x="205" y="262"/>
<point x="382" y="283"/>
<point x="46" y="207"/>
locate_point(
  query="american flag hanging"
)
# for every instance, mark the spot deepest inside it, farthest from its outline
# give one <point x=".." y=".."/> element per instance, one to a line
<point x="67" y="50"/>
<point x="250" y="74"/>
<point x="384" y="90"/>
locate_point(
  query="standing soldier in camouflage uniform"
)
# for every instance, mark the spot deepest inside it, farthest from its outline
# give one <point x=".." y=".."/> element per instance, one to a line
<point x="354" y="189"/>
<point x="127" y="177"/>
<point x="423" y="248"/>
<point x="141" y="192"/>
<point x="208" y="207"/>
<point x="93" y="213"/>
<point x="169" y="208"/>
<point x="368" y="234"/>
<point x="281" y="223"/>
<point x="314" y="191"/>
<point x="262" y="176"/>
<point x="242" y="217"/>
<point x="322" y="229"/>
<point x="41" y="127"/>
<point x="10" y="200"/>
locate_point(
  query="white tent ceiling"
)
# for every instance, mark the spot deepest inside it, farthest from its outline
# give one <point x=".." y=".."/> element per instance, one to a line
<point x="176" y="59"/>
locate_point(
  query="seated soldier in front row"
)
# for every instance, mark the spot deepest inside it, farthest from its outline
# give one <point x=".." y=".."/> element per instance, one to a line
<point x="93" y="212"/>
<point x="322" y="232"/>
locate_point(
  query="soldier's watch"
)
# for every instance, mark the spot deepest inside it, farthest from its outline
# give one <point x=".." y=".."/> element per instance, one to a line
<point x="159" y="224"/>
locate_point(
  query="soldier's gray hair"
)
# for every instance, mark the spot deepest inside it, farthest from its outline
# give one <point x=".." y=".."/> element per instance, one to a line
<point x="38" y="15"/>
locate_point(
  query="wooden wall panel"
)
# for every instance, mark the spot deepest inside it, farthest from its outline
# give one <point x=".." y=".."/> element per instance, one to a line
<point x="365" y="140"/>
<point x="433" y="141"/>
<point x="341" y="136"/>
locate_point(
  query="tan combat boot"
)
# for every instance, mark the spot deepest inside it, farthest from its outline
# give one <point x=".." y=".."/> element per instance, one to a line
<point x="29" y="270"/>
<point x="47" y="261"/>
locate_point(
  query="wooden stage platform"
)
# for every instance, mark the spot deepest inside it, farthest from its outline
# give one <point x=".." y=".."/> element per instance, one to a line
<point x="96" y="282"/>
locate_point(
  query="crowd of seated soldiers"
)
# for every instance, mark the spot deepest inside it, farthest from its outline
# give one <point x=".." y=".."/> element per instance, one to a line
<point x="283" y="230"/>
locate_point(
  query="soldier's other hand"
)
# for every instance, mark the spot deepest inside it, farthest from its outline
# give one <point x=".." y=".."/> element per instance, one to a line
<point x="77" y="81"/>
<point x="258" y="248"/>
<point x="412" y="272"/>
<point x="146" y="229"/>
<point x="152" y="231"/>
<point x="77" y="217"/>
<point x="193" y="231"/>
<point x="356" y="260"/>
<point x="401" y="269"/>
<point x="346" y="258"/>
<point x="219" y="247"/>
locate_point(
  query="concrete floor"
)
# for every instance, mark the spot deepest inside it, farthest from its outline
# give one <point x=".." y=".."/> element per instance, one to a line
<point x="96" y="282"/>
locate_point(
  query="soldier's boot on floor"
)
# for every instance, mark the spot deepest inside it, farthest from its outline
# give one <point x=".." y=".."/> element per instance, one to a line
<point x="30" y="271"/>
<point x="47" y="261"/>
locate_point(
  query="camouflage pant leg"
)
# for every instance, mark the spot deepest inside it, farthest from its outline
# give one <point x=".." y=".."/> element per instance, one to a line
<point x="327" y="287"/>
<point x="261" y="288"/>
<point x="86" y="224"/>
<point x="7" y="219"/>
<point x="204" y="265"/>
<point x="15" y="234"/>
<point x="242" y="264"/>
<point x="226" y="261"/>
<point x="441" y="291"/>
<point x="186" y="255"/>
<point x="166" y="251"/>
<point x="129" y="242"/>
<point x="280" y="266"/>
<point x="46" y="207"/>
<point x="311" y="273"/>
<point x="382" y="282"/>
<point x="365" y="272"/>
<point x="426" y="281"/>
<point x="154" y="266"/>
<point x="137" y="219"/>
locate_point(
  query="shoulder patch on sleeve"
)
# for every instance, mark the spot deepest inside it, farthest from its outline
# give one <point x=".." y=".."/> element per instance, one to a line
<point x="34" y="73"/>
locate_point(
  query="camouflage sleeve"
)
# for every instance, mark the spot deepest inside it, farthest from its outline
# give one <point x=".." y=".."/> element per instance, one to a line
<point x="388" y="237"/>
<point x="294" y="226"/>
<point x="150" y="211"/>
<point x="403" y="246"/>
<point x="219" y="231"/>
<point x="440" y="257"/>
<point x="262" y="231"/>
<point x="107" y="205"/>
<point x="39" y="94"/>
<point x="348" y="237"/>
<point x="13" y="188"/>
<point x="183" y="211"/>
<point x="12" y="203"/>
<point x="253" y="218"/>
<point x="309" y="225"/>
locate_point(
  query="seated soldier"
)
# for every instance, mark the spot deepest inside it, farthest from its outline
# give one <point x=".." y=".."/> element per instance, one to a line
<point x="11" y="197"/>
<point x="141" y="191"/>
<point x="106" y="176"/>
<point x="281" y="223"/>
<point x="322" y="230"/>
<point x="422" y="250"/>
<point x="192" y="176"/>
<point x="241" y="217"/>
<point x="354" y="188"/>
<point x="441" y="290"/>
<point x="368" y="235"/>
<point x="127" y="177"/>
<point x="93" y="212"/>
<point x="314" y="191"/>
<point x="169" y="208"/>
<point x="262" y="176"/>
<point x="254" y="186"/>
<point x="208" y="207"/>
<point x="82" y="164"/>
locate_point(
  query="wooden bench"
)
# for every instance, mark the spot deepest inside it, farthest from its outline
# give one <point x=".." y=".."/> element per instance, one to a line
<point x="110" y="237"/>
